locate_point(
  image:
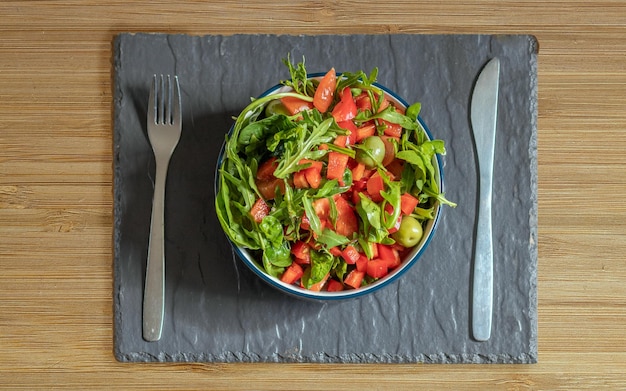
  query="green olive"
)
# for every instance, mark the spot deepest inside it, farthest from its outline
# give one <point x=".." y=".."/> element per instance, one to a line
<point x="409" y="233"/>
<point x="372" y="152"/>
<point x="275" y="107"/>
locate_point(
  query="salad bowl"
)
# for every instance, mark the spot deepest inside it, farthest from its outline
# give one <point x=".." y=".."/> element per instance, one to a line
<point x="408" y="258"/>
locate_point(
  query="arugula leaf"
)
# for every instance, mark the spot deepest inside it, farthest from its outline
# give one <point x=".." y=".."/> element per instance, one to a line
<point x="299" y="81"/>
<point x="393" y="197"/>
<point x="254" y="134"/>
<point x="369" y="212"/>
<point x="414" y="157"/>
<point x="373" y="229"/>
<point x="413" y="111"/>
<point x="277" y="255"/>
<point x="340" y="269"/>
<point x="438" y="196"/>
<point x="314" y="220"/>
<point x="272" y="228"/>
<point x="332" y="211"/>
<point x="321" y="264"/>
<point x="331" y="238"/>
<point x="366" y="247"/>
<point x="359" y="80"/>
<point x="346" y="151"/>
<point x="388" y="114"/>
<point x="328" y="189"/>
<point x="303" y="146"/>
<point x="424" y="214"/>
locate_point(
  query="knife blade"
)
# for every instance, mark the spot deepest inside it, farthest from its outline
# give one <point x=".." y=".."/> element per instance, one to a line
<point x="484" y="112"/>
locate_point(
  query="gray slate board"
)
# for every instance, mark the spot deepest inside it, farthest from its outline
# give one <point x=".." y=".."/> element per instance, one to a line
<point x="218" y="311"/>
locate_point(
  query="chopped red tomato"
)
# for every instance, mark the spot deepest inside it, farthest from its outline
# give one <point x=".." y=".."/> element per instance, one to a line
<point x="295" y="105"/>
<point x="313" y="177"/>
<point x="337" y="163"/>
<point x="292" y="274"/>
<point x="266" y="182"/>
<point x="334" y="286"/>
<point x="350" y="255"/>
<point x="361" y="263"/>
<point x="395" y="167"/>
<point x="347" y="223"/>
<point x="301" y="251"/>
<point x="364" y="132"/>
<point x="268" y="187"/>
<point x="318" y="286"/>
<point x="390" y="255"/>
<point x="346" y="108"/>
<point x="358" y="171"/>
<point x="299" y="180"/>
<point x="356" y="197"/>
<point x="325" y="91"/>
<point x="408" y="203"/>
<point x="259" y="210"/>
<point x="267" y="168"/>
<point x="354" y="278"/>
<point x="336" y="251"/>
<point x="322" y="208"/>
<point x="311" y="164"/>
<point x="305" y="223"/>
<point x="360" y="185"/>
<point x="375" y="185"/>
<point x="392" y="130"/>
<point x="377" y="268"/>
<point x="312" y="174"/>
<point x="363" y="102"/>
<point x="341" y="141"/>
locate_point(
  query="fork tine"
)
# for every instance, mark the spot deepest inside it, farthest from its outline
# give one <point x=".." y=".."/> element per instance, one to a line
<point x="152" y="103"/>
<point x="168" y="99"/>
<point x="176" y="116"/>
<point x="161" y="100"/>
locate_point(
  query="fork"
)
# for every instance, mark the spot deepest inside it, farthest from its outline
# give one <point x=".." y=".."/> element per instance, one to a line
<point x="164" y="130"/>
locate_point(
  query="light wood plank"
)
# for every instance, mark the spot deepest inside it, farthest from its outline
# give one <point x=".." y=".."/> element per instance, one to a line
<point x="56" y="189"/>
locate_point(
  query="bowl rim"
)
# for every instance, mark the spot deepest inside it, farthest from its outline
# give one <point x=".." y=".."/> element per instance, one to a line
<point x="324" y="296"/>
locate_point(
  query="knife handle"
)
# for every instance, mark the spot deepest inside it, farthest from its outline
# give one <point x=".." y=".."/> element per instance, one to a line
<point x="482" y="289"/>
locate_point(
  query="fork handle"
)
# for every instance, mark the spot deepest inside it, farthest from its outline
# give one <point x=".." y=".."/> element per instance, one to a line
<point x="154" y="293"/>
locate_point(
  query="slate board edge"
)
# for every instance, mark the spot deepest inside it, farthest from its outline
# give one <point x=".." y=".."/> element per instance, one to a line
<point x="324" y="358"/>
<point x="533" y="217"/>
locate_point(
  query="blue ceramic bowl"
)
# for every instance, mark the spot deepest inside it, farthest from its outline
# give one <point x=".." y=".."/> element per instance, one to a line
<point x="408" y="261"/>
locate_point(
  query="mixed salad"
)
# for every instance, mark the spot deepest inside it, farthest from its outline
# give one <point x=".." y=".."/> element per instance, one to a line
<point x="329" y="183"/>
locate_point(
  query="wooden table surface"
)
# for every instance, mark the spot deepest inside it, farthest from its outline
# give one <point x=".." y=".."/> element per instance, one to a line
<point x="56" y="200"/>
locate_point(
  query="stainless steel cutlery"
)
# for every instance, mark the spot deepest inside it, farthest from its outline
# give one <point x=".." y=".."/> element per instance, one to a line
<point x="484" y="112"/>
<point x="164" y="130"/>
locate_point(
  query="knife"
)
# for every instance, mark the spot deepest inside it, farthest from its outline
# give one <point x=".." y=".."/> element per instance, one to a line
<point x="484" y="111"/>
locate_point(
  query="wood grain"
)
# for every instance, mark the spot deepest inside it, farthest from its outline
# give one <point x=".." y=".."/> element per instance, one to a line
<point x="56" y="189"/>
